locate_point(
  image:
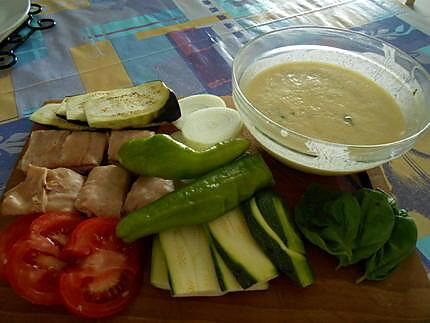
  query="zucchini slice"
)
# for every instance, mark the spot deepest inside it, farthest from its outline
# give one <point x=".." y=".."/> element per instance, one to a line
<point x="189" y="262"/>
<point x="236" y="246"/>
<point x="134" y="107"/>
<point x="290" y="262"/>
<point x="159" y="276"/>
<point x="275" y="211"/>
<point x="47" y="115"/>
<point x="226" y="279"/>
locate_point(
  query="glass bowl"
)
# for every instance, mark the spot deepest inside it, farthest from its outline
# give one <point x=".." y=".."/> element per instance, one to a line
<point x="398" y="73"/>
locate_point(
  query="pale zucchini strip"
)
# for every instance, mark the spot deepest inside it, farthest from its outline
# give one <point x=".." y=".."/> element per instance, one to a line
<point x="189" y="262"/>
<point x="159" y="276"/>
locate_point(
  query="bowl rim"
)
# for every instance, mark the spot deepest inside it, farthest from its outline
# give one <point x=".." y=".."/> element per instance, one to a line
<point x="237" y="88"/>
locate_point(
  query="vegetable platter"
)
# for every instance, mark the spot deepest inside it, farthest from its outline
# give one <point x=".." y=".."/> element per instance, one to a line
<point x="333" y="297"/>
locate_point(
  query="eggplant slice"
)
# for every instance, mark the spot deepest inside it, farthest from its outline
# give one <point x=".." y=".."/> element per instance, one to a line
<point x="76" y="105"/>
<point x="48" y="115"/>
<point x="149" y="104"/>
<point x="61" y="111"/>
<point x="134" y="107"/>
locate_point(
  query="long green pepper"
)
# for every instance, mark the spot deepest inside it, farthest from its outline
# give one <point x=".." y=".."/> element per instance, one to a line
<point x="162" y="156"/>
<point x="202" y="201"/>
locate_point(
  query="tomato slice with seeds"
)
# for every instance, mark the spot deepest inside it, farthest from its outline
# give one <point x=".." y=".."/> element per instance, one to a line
<point x="107" y="273"/>
<point x="11" y="234"/>
<point x="54" y="228"/>
<point x="34" y="262"/>
<point x="91" y="235"/>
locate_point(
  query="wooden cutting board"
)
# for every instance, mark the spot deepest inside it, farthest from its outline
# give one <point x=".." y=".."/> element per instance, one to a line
<point x="404" y="296"/>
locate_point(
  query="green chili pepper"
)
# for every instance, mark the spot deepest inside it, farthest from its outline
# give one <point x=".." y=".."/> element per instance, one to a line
<point x="162" y="156"/>
<point x="201" y="201"/>
<point x="399" y="246"/>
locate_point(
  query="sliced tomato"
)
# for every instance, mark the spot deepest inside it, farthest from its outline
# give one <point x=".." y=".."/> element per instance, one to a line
<point x="34" y="262"/>
<point x="94" y="234"/>
<point x="106" y="277"/>
<point x="54" y="227"/>
<point x="11" y="234"/>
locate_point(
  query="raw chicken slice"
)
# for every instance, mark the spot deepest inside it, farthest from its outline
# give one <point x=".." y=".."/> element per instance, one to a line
<point x="62" y="188"/>
<point x="146" y="190"/>
<point x="104" y="192"/>
<point x="81" y="150"/>
<point x="44" y="147"/>
<point x="117" y="138"/>
<point x="29" y="196"/>
<point x="43" y="190"/>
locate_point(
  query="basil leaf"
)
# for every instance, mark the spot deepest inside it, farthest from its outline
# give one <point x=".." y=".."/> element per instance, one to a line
<point x="399" y="246"/>
<point x="377" y="221"/>
<point x="330" y="220"/>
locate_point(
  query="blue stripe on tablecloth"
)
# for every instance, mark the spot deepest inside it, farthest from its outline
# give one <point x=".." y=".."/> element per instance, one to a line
<point x="13" y="136"/>
<point x="156" y="58"/>
<point x="132" y="25"/>
<point x="34" y="48"/>
<point x="398" y="33"/>
<point x="197" y="48"/>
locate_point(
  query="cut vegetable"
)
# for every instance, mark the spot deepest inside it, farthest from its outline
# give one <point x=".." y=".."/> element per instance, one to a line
<point x="161" y="156"/>
<point x="275" y="213"/>
<point x="205" y="128"/>
<point x="203" y="200"/>
<point x="288" y="261"/>
<point x="47" y="115"/>
<point x="240" y="252"/>
<point x="61" y="111"/>
<point x="134" y="107"/>
<point x="226" y="279"/>
<point x="196" y="102"/>
<point x="159" y="275"/>
<point x="75" y="105"/>
<point x="177" y="135"/>
<point x="189" y="262"/>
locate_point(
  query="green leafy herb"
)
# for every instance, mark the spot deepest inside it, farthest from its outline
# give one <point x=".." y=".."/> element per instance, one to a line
<point x="330" y="220"/>
<point x="366" y="225"/>
<point x="399" y="246"/>
<point x="377" y="221"/>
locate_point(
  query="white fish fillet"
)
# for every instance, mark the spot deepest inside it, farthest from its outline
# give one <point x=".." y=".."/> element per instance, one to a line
<point x="146" y="190"/>
<point x="43" y="190"/>
<point x="80" y="150"/>
<point x="104" y="192"/>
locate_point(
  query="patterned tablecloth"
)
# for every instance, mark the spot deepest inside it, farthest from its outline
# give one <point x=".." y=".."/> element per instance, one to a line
<point x="190" y="44"/>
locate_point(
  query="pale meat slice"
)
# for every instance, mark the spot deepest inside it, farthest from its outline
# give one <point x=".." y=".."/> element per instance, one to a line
<point x="104" y="192"/>
<point x="62" y="188"/>
<point x="146" y="190"/>
<point x="118" y="138"/>
<point x="29" y="196"/>
<point x="43" y="190"/>
<point x="83" y="150"/>
<point x="43" y="149"/>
